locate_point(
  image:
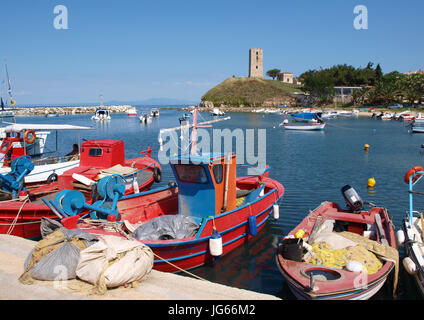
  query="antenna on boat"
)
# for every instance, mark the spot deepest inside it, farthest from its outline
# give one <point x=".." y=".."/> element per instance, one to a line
<point x="194" y="126"/>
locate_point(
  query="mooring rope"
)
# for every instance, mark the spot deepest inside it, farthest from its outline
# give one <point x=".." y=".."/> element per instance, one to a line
<point x="13" y="224"/>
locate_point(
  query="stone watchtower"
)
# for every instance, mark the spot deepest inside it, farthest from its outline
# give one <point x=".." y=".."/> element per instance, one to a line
<point x="256" y="62"/>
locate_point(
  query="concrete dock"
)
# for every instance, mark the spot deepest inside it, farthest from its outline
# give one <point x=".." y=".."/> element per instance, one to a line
<point x="156" y="286"/>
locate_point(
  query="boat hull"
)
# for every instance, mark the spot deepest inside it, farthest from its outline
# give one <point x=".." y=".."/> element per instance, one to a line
<point x="308" y="127"/>
<point x="183" y="254"/>
<point x="414" y="252"/>
<point x="342" y="284"/>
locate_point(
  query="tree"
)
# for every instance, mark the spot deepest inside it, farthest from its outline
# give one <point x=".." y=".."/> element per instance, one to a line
<point x="378" y="73"/>
<point x="319" y="85"/>
<point x="273" y="73"/>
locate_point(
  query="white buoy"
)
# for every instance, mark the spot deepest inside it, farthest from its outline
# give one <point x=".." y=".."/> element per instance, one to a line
<point x="215" y="244"/>
<point x="409" y="266"/>
<point x="354" y="266"/>
<point x="276" y="211"/>
<point x="400" y="237"/>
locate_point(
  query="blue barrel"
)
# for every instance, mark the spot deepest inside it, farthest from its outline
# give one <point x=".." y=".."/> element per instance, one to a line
<point x="253" y="228"/>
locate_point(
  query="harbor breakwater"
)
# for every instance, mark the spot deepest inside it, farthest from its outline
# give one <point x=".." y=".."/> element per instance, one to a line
<point x="42" y="111"/>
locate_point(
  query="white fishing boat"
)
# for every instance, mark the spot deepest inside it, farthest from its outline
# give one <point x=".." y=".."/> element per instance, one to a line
<point x="417" y="129"/>
<point x="307" y="127"/>
<point x="154" y="112"/>
<point x="217" y="112"/>
<point x="101" y="114"/>
<point x="30" y="140"/>
<point x="328" y="115"/>
<point x="145" y="118"/>
<point x="419" y="118"/>
<point x="132" y="111"/>
<point x="387" y="116"/>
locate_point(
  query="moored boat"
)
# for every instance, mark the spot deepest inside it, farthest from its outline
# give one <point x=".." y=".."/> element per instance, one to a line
<point x="154" y="112"/>
<point x="217" y="112"/>
<point x="178" y="221"/>
<point x="145" y="118"/>
<point x="411" y="236"/>
<point x="101" y="114"/>
<point x="304" y="127"/>
<point x="132" y="111"/>
<point x="338" y="254"/>
<point x="30" y="140"/>
<point x="206" y="214"/>
<point x="309" y="117"/>
<point x="21" y="208"/>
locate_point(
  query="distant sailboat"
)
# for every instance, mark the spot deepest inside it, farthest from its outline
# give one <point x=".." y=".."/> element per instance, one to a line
<point x="3" y="112"/>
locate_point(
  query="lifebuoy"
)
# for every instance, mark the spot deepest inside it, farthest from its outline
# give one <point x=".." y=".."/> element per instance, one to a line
<point x="27" y="133"/>
<point x="157" y="175"/>
<point x="411" y="172"/>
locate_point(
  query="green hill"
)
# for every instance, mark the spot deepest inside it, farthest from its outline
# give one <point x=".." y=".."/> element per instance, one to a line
<point x="252" y="92"/>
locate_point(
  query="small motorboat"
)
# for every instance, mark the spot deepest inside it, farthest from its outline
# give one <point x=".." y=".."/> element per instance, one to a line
<point x="304" y="127"/>
<point x="132" y="111"/>
<point x="154" y="112"/>
<point x="387" y="116"/>
<point x="101" y="114"/>
<point x="411" y="236"/>
<point x="419" y="119"/>
<point x="217" y="112"/>
<point x="417" y="129"/>
<point x="329" y="115"/>
<point x="52" y="115"/>
<point x="145" y="118"/>
<point x="339" y="254"/>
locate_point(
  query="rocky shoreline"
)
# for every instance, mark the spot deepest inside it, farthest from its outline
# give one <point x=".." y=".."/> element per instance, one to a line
<point x="43" y="111"/>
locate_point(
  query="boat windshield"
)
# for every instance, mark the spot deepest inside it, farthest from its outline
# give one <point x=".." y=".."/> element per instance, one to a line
<point x="191" y="173"/>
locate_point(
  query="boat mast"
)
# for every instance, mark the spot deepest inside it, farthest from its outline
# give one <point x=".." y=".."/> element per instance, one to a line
<point x="194" y="127"/>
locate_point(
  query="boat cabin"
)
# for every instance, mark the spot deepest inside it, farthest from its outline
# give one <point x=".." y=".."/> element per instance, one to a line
<point x="95" y="155"/>
<point x="206" y="183"/>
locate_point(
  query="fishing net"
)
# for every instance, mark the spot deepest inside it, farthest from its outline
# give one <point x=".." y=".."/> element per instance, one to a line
<point x="324" y="255"/>
<point x="56" y="256"/>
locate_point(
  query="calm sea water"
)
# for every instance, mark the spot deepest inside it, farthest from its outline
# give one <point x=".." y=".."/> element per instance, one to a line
<point x="312" y="166"/>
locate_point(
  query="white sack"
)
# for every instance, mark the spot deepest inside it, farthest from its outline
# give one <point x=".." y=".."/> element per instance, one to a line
<point x="97" y="266"/>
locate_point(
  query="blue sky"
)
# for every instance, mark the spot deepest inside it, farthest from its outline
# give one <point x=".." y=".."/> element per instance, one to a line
<point x="135" y="49"/>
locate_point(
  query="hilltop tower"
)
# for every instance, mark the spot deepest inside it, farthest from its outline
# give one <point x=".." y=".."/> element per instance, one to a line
<point x="256" y="63"/>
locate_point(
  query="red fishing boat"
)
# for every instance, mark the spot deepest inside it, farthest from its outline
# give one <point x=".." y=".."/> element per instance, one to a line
<point x="206" y="197"/>
<point x="21" y="209"/>
<point x="338" y="273"/>
<point x="207" y="213"/>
